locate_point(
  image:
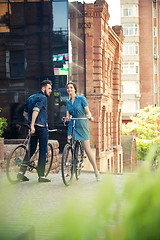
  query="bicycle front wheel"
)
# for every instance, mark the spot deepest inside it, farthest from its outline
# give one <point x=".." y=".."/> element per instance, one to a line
<point x="49" y="159"/>
<point x="14" y="162"/>
<point x="79" y="152"/>
<point x="67" y="164"/>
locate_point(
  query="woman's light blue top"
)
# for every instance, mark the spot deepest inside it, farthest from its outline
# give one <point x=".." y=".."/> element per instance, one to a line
<point x="77" y="111"/>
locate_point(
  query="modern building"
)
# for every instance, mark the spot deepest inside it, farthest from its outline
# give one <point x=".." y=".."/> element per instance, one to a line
<point x="131" y="58"/>
<point x="140" y="67"/>
<point x="33" y="47"/>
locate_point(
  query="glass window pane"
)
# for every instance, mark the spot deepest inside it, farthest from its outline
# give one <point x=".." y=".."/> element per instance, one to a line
<point x="60" y="13"/>
<point x="17" y="63"/>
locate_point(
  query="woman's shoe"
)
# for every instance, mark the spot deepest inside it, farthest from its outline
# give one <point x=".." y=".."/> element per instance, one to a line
<point x="98" y="178"/>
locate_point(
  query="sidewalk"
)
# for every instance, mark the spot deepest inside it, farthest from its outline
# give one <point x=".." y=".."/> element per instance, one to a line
<point x="32" y="204"/>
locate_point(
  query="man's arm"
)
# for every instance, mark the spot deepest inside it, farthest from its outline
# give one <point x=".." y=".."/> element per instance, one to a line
<point x="34" y="116"/>
<point x="25" y="116"/>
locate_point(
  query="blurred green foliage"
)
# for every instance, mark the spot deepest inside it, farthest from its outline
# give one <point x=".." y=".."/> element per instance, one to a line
<point x="146" y="127"/>
<point x="3" y="124"/>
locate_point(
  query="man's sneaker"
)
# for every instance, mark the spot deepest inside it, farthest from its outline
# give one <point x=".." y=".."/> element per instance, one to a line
<point x="22" y="178"/>
<point x="43" y="179"/>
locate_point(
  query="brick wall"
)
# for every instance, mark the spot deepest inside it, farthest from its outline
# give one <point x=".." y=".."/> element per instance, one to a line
<point x="103" y="85"/>
<point x="10" y="144"/>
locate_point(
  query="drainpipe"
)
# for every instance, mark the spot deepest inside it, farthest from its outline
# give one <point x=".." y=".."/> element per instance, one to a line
<point x="84" y="40"/>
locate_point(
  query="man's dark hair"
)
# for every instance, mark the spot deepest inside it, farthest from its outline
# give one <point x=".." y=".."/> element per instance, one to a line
<point x="45" y="82"/>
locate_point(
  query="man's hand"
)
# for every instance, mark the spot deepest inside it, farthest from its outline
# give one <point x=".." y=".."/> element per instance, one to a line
<point x="34" y="116"/>
<point x="32" y="130"/>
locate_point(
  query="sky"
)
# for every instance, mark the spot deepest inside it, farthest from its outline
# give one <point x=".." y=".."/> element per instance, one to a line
<point x="61" y="19"/>
<point x="114" y="10"/>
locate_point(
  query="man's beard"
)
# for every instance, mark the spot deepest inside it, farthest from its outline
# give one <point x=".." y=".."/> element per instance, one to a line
<point x="46" y="93"/>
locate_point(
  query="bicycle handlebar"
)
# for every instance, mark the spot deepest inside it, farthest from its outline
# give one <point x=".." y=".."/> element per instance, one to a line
<point x="29" y="128"/>
<point x="53" y="130"/>
<point x="71" y="118"/>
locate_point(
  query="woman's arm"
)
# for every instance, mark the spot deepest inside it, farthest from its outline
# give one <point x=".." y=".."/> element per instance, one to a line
<point x="67" y="116"/>
<point x="88" y="113"/>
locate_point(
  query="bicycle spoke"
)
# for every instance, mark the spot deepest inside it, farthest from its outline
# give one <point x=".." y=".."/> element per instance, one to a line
<point x="67" y="165"/>
<point x="15" y="161"/>
<point x="49" y="159"/>
<point x="78" y="159"/>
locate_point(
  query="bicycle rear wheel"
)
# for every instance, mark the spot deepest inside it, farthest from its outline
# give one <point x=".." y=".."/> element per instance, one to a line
<point x="79" y="152"/>
<point x="14" y="162"/>
<point x="49" y="159"/>
<point x="67" y="164"/>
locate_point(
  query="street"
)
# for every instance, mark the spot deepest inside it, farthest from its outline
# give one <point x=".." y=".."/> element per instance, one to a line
<point x="34" y="205"/>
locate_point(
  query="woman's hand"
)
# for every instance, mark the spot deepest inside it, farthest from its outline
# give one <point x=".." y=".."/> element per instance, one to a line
<point x="91" y="119"/>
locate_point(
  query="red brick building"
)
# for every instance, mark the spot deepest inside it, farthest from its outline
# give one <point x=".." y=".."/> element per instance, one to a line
<point x="149" y="28"/>
<point x="102" y="82"/>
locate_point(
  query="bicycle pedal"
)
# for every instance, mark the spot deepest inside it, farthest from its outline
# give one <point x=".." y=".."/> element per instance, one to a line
<point x="24" y="165"/>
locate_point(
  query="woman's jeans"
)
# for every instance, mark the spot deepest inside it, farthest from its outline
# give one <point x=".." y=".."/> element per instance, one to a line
<point x="41" y="134"/>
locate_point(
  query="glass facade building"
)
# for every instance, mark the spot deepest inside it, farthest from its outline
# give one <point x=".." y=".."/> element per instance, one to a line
<point x="33" y="47"/>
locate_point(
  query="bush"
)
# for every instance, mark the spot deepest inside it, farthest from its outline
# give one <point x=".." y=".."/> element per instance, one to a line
<point x="3" y="124"/>
<point x="145" y="126"/>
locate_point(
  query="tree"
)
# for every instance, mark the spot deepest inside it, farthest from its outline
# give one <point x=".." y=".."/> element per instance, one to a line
<point x="146" y="127"/>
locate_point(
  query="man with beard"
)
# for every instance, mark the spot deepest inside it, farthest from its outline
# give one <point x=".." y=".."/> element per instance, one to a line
<point x="35" y="111"/>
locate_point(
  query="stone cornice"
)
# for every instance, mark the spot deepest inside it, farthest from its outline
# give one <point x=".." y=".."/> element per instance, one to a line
<point x="113" y="37"/>
<point x="119" y="31"/>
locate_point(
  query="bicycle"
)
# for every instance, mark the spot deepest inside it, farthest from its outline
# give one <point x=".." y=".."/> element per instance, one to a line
<point x="72" y="156"/>
<point x="21" y="152"/>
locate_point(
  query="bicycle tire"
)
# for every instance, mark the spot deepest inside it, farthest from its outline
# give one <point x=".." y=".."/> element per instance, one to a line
<point x="67" y="164"/>
<point x="49" y="159"/>
<point x="78" y="159"/>
<point x="14" y="162"/>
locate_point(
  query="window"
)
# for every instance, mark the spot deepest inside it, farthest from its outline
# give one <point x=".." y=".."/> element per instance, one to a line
<point x="130" y="29"/>
<point x="155" y="88"/>
<point x="155" y="31"/>
<point x="154" y="12"/>
<point x="122" y="88"/>
<point x="17" y="64"/>
<point x="130" y="68"/>
<point x="130" y="48"/>
<point x="129" y="11"/>
<point x="155" y="50"/>
<point x="155" y="68"/>
<point x="129" y="87"/>
<point x="60" y="11"/>
<point x="129" y="107"/>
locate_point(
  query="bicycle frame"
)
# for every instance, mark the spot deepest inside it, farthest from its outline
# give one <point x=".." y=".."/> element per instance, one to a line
<point x="75" y="165"/>
<point x="73" y="141"/>
<point x="19" y="159"/>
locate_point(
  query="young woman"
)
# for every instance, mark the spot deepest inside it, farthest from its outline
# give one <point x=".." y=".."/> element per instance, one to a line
<point x="77" y="107"/>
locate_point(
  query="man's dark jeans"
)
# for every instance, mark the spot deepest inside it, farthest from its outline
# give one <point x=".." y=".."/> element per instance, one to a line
<point x="41" y="134"/>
